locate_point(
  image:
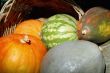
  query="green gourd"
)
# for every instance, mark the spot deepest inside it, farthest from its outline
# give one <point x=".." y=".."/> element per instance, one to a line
<point x="78" y="56"/>
<point x="105" y="48"/>
<point x="95" y="25"/>
<point x="58" y="29"/>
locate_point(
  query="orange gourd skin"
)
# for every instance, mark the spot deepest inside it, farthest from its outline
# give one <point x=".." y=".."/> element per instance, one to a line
<point x="30" y="27"/>
<point x="18" y="57"/>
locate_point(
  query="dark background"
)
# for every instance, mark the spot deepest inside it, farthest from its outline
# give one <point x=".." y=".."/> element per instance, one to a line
<point x="86" y="4"/>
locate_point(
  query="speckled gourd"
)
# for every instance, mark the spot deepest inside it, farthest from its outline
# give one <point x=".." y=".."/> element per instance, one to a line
<point x="95" y="25"/>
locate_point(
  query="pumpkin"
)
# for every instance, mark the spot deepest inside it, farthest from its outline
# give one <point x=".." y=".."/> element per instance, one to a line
<point x="74" y="57"/>
<point x="95" y="25"/>
<point x="105" y="48"/>
<point x="21" y="54"/>
<point x="30" y="27"/>
<point x="58" y="29"/>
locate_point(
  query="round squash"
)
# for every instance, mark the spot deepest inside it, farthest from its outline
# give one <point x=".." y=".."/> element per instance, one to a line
<point x="95" y="25"/>
<point x="21" y="54"/>
<point x="74" y="57"/>
<point x="30" y="27"/>
<point x="58" y="29"/>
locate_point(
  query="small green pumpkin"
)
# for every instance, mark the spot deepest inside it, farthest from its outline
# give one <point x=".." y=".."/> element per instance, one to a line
<point x="58" y="29"/>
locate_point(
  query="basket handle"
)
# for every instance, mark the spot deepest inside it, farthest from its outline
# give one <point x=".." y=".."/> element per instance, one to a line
<point x="76" y="7"/>
<point x="6" y="9"/>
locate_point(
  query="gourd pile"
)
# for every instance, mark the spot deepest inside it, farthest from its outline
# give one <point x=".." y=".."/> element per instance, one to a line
<point x="59" y="44"/>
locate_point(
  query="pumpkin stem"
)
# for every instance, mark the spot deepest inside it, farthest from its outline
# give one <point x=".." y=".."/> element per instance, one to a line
<point x="25" y="40"/>
<point x="84" y="32"/>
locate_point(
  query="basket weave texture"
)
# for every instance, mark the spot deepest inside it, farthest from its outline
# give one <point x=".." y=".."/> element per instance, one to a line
<point x="26" y="9"/>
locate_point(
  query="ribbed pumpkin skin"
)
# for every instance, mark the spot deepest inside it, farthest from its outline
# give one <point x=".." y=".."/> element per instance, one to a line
<point x="18" y="57"/>
<point x="58" y="29"/>
<point x="30" y="27"/>
<point x="95" y="25"/>
<point x="74" y="57"/>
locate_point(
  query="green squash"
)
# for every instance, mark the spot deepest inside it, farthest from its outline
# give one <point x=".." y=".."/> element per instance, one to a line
<point x="105" y="48"/>
<point x="74" y="57"/>
<point x="58" y="29"/>
<point x="95" y="25"/>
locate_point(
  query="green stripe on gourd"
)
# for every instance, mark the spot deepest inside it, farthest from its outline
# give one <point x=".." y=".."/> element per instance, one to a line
<point x="64" y="17"/>
<point x="58" y="36"/>
<point x="56" y="24"/>
<point x="62" y="29"/>
<point x="58" y="40"/>
<point x="53" y="24"/>
<point x="57" y="31"/>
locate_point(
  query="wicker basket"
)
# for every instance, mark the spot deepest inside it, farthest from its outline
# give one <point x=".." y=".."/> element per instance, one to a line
<point x="16" y="11"/>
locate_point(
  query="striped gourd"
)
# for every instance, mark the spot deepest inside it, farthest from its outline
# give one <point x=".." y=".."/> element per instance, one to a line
<point x="58" y="29"/>
<point x="64" y="17"/>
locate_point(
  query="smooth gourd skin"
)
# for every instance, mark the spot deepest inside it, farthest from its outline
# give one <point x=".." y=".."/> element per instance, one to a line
<point x="106" y="53"/>
<point x="18" y="57"/>
<point x="74" y="57"/>
<point x="30" y="27"/>
<point x="58" y="29"/>
<point x="95" y="25"/>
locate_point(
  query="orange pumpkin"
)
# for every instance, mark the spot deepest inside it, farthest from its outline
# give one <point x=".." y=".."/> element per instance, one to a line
<point x="30" y="27"/>
<point x="21" y="54"/>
